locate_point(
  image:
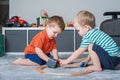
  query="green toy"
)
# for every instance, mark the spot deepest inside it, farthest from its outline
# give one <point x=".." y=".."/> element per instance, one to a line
<point x="2" y="49"/>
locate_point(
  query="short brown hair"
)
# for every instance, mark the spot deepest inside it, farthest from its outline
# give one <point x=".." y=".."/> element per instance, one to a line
<point x="57" y="19"/>
<point x="86" y="18"/>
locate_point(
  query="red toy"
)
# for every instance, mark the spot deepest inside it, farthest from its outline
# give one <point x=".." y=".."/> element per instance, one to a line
<point x="15" y="21"/>
<point x="71" y="24"/>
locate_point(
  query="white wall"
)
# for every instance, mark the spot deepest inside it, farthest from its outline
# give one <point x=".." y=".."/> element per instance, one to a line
<point x="30" y="9"/>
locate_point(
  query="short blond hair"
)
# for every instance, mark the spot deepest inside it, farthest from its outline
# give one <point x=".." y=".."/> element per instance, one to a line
<point x="86" y="18"/>
<point x="58" y="20"/>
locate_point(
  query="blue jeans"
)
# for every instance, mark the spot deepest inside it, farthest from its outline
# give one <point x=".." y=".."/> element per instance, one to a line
<point x="35" y="58"/>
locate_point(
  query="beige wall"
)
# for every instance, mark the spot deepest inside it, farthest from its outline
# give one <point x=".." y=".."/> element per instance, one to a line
<point x="30" y="9"/>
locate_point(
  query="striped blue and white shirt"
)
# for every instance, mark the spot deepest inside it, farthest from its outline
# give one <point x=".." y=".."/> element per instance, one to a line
<point x="98" y="37"/>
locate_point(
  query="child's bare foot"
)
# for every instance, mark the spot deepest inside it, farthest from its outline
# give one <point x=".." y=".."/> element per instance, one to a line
<point x="24" y="62"/>
<point x="17" y="62"/>
<point x="94" y="69"/>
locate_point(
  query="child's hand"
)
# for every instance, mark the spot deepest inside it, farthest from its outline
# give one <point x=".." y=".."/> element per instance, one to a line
<point x="63" y="62"/>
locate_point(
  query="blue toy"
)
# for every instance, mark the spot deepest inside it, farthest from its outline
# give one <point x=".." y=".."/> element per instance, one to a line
<point x="83" y="64"/>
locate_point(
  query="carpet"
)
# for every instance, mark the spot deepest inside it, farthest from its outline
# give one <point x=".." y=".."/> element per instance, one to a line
<point x="9" y="71"/>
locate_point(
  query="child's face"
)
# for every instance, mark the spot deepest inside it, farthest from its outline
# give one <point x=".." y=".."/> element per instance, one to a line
<point x="82" y="30"/>
<point x="53" y="30"/>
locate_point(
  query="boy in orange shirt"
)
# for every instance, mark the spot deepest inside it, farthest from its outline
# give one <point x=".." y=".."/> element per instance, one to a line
<point x="38" y="51"/>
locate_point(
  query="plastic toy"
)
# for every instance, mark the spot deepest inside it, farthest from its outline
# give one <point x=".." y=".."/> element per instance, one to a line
<point x="15" y="21"/>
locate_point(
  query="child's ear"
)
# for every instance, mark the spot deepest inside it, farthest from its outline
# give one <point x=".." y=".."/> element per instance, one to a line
<point x="87" y="27"/>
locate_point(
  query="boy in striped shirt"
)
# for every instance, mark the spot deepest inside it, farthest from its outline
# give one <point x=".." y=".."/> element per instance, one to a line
<point x="103" y="50"/>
